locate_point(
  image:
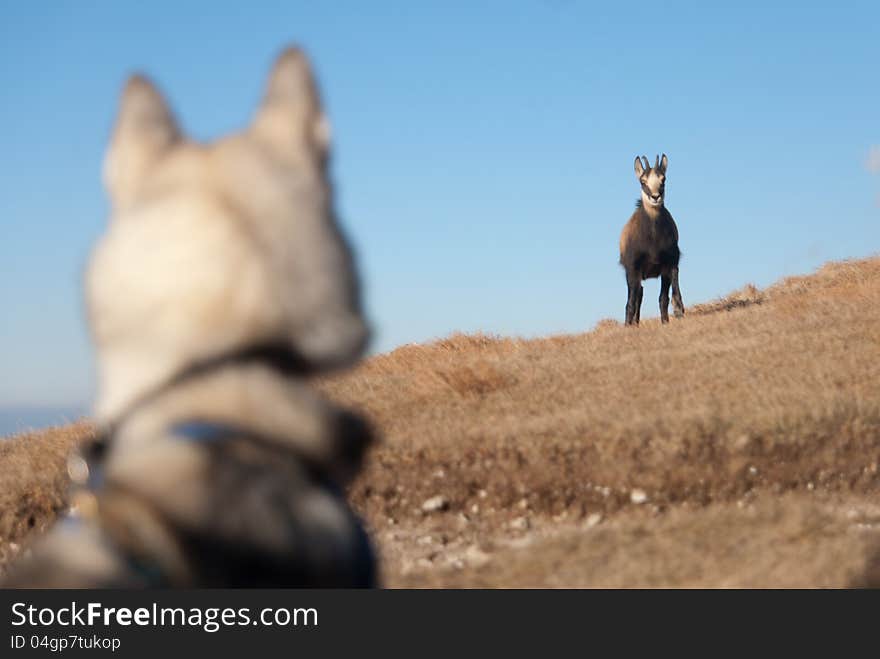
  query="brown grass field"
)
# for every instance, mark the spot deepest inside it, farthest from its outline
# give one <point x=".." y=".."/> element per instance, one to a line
<point x="736" y="447"/>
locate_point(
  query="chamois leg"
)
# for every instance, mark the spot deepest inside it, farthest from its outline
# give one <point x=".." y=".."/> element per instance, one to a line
<point x="665" y="280"/>
<point x="677" y="304"/>
<point x="630" y="303"/>
<point x="639" y="304"/>
<point x="633" y="297"/>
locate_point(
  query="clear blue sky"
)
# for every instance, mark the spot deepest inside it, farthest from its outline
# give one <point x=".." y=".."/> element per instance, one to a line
<point x="483" y="150"/>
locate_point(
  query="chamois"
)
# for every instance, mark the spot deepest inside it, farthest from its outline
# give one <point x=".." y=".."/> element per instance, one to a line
<point x="649" y="244"/>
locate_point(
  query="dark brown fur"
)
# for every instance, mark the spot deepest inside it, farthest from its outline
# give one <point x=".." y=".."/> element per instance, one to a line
<point x="649" y="249"/>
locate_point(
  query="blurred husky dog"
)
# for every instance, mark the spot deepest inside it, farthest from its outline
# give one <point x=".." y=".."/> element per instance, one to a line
<point x="223" y="280"/>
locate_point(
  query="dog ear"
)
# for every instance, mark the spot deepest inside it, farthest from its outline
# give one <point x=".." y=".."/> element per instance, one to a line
<point x="145" y="128"/>
<point x="289" y="120"/>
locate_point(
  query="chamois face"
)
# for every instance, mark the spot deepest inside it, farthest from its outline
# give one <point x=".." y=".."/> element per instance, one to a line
<point x="652" y="180"/>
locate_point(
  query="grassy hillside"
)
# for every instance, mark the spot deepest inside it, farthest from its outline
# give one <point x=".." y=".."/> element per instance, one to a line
<point x="738" y="446"/>
<point x="34" y="482"/>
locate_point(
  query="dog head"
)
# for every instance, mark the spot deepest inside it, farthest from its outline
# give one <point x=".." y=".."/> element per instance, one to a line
<point x="217" y="249"/>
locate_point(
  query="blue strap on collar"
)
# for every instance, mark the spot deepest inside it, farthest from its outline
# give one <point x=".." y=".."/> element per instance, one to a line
<point x="204" y="431"/>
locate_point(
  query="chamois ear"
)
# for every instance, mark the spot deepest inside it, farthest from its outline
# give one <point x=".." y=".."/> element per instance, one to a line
<point x="640" y="169"/>
<point x="145" y="129"/>
<point x="289" y="120"/>
<point x="663" y="162"/>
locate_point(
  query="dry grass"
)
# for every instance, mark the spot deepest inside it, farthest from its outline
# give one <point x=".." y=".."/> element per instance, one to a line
<point x="738" y="446"/>
<point x="686" y="412"/>
<point x="33" y="481"/>
<point x="782" y="542"/>
<point x="752" y="396"/>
